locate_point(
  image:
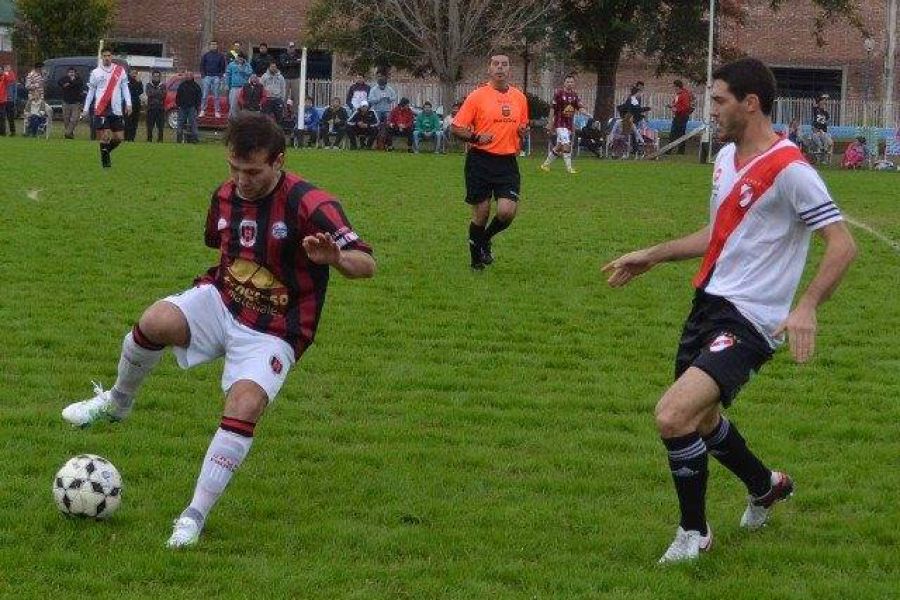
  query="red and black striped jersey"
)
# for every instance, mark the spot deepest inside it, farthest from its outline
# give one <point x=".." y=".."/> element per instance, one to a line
<point x="264" y="276"/>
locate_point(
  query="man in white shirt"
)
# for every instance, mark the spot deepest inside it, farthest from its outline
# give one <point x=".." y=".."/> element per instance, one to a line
<point x="108" y="92"/>
<point x="766" y="201"/>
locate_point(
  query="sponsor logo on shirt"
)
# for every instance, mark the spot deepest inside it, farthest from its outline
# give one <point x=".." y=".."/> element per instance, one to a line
<point x="279" y="230"/>
<point x="248" y="233"/>
<point x="723" y="342"/>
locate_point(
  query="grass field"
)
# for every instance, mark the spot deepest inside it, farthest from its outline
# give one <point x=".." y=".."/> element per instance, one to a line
<point x="450" y="435"/>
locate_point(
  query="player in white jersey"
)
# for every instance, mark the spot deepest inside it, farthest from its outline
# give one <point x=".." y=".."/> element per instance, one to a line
<point x="107" y="94"/>
<point x="766" y="201"/>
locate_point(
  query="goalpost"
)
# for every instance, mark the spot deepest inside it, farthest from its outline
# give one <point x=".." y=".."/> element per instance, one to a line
<point x="301" y="101"/>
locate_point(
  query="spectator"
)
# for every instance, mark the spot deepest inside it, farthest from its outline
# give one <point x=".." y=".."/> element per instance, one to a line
<point x="156" y="105"/>
<point x="212" y="69"/>
<point x="187" y="99"/>
<point x="364" y="123"/>
<point x="382" y="98"/>
<point x="136" y="89"/>
<point x="793" y="133"/>
<point x="857" y="154"/>
<point x="400" y="123"/>
<point x="428" y="125"/>
<point x="682" y="107"/>
<point x="591" y="137"/>
<point x="236" y="77"/>
<point x="34" y="82"/>
<point x="334" y="122"/>
<point x="311" y="121"/>
<point x="261" y="60"/>
<point x="237" y="49"/>
<point x="9" y="95"/>
<point x="820" y="139"/>
<point x="37" y="114"/>
<point x="634" y="104"/>
<point x="252" y="96"/>
<point x="358" y="93"/>
<point x="289" y="64"/>
<point x="72" y="87"/>
<point x="276" y="90"/>
<point x="448" y="121"/>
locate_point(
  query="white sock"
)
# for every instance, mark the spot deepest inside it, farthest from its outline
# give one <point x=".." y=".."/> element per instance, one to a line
<point x="567" y="158"/>
<point x="226" y="452"/>
<point x="551" y="156"/>
<point x="135" y="363"/>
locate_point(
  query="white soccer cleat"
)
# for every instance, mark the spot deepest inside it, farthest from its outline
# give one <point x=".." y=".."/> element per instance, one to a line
<point x="99" y="408"/>
<point x="572" y="171"/>
<point x="758" y="510"/>
<point x="185" y="532"/>
<point x="687" y="546"/>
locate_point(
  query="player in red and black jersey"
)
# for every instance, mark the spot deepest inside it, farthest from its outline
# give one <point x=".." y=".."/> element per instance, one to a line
<point x="561" y="123"/>
<point x="277" y="236"/>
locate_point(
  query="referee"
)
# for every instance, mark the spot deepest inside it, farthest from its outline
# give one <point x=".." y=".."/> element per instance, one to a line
<point x="492" y="120"/>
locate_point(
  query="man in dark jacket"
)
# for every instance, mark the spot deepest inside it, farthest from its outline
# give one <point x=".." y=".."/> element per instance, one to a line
<point x="363" y="122"/>
<point x="187" y="99"/>
<point x="261" y="60"/>
<point x="156" y="106"/>
<point x="212" y="69"/>
<point x="333" y="122"/>
<point x="136" y="89"/>
<point x="289" y="65"/>
<point x="72" y="87"/>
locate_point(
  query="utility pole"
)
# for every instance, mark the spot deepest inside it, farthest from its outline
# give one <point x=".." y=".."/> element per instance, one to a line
<point x="888" y="103"/>
<point x="706" y="143"/>
<point x="208" y="25"/>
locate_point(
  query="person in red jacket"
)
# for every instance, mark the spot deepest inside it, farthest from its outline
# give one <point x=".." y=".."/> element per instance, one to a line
<point x="682" y="107"/>
<point x="7" y="105"/>
<point x="400" y="123"/>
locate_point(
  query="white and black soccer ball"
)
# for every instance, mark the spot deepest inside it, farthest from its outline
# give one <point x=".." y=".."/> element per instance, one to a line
<point x="88" y="486"/>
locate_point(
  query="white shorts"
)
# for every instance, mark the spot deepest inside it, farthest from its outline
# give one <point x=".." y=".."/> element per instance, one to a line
<point x="563" y="136"/>
<point x="249" y="354"/>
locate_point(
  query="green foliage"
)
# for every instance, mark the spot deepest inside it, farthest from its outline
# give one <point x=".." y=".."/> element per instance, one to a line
<point x="49" y="28"/>
<point x="538" y="108"/>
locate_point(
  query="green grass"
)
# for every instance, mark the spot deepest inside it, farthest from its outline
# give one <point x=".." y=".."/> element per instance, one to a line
<point x="449" y="435"/>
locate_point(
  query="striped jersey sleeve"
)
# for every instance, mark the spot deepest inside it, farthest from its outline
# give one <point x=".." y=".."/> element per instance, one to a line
<point x="809" y="196"/>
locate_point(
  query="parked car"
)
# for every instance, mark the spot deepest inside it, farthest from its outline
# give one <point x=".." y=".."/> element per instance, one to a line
<point x="57" y="68"/>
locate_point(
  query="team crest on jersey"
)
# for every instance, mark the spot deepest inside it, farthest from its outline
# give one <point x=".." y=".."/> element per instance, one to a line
<point x="223" y="224"/>
<point x="279" y="230"/>
<point x="276" y="364"/>
<point x="506" y="110"/>
<point x="746" y="195"/>
<point x="723" y="342"/>
<point x="248" y="233"/>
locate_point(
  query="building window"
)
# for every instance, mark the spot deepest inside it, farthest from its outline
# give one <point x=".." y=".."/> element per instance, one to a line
<point x="139" y="48"/>
<point x="5" y="39"/>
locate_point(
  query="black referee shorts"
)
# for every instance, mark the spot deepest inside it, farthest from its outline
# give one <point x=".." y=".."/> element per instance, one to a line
<point x="722" y="343"/>
<point x="491" y="176"/>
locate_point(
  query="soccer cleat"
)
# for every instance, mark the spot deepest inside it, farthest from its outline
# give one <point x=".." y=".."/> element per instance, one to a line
<point x="545" y="167"/>
<point x="687" y="546"/>
<point x="758" y="509"/>
<point x="487" y="257"/>
<point x="185" y="532"/>
<point x="572" y="171"/>
<point x="105" y="161"/>
<point x="201" y="114"/>
<point x="99" y="408"/>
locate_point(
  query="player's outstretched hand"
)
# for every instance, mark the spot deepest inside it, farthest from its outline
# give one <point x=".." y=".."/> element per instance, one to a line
<point x="322" y="249"/>
<point x="800" y="327"/>
<point x="627" y="267"/>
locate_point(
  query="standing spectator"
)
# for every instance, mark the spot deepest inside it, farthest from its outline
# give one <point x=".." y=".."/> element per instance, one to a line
<point x="236" y="50"/>
<point x="289" y="64"/>
<point x="34" y="81"/>
<point x="135" y="88"/>
<point x="682" y="107"/>
<point x="252" y="96"/>
<point x="72" y="87"/>
<point x="156" y="105"/>
<point x="358" y="93"/>
<point x="37" y="113"/>
<point x="363" y="122"/>
<point x="236" y="77"/>
<point x="187" y="99"/>
<point x="334" y="122"/>
<point x="448" y="121"/>
<point x="311" y="120"/>
<point x="276" y="90"/>
<point x="820" y="140"/>
<point x="212" y="69"/>
<point x="400" y="123"/>
<point x="428" y="125"/>
<point x="261" y="60"/>
<point x="382" y="98"/>
<point x="9" y="95"/>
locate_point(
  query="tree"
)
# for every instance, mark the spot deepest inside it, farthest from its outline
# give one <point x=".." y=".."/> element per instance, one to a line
<point x="597" y="32"/>
<point x="425" y="36"/>
<point x="48" y="28"/>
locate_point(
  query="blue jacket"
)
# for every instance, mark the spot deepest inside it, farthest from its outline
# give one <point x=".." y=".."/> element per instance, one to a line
<point x="213" y="64"/>
<point x="311" y="118"/>
<point x="237" y="76"/>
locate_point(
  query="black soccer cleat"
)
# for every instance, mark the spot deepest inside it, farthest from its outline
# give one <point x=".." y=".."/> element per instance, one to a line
<point x="104" y="158"/>
<point x="487" y="257"/>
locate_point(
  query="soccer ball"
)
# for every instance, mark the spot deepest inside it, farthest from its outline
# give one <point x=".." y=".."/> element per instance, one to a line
<point x="88" y="486"/>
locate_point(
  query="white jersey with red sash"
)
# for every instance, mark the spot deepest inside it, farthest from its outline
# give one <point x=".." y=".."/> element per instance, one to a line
<point x="107" y="89"/>
<point x="762" y="216"/>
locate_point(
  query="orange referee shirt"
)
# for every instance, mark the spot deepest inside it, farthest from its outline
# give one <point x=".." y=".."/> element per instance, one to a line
<point x="487" y="110"/>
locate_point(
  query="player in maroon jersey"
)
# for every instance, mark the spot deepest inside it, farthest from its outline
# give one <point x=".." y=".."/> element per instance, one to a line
<point x="561" y="123"/>
<point x="278" y="236"/>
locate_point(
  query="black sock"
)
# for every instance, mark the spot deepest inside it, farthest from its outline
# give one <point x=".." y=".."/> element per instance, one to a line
<point x="476" y="239"/>
<point x="727" y="445"/>
<point x="104" y="147"/>
<point x="495" y="227"/>
<point x="113" y="144"/>
<point x="688" y="463"/>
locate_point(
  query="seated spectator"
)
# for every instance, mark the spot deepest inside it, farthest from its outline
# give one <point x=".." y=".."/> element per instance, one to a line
<point x="276" y="92"/>
<point x="448" y="121"/>
<point x="333" y="123"/>
<point x="621" y="137"/>
<point x="358" y="93"/>
<point x="37" y="115"/>
<point x="591" y="137"/>
<point x="252" y="96"/>
<point x="400" y="123"/>
<point x="310" y="125"/>
<point x="364" y="123"/>
<point x="428" y="126"/>
<point x="820" y="140"/>
<point x="857" y="154"/>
